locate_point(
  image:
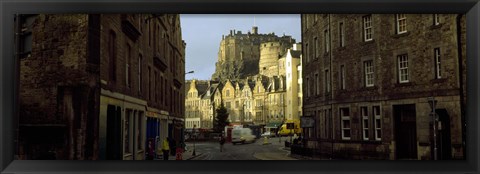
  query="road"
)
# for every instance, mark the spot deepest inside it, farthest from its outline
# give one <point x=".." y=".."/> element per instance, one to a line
<point x="253" y="151"/>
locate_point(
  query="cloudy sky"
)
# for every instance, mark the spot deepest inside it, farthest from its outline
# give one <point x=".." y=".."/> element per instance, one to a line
<point x="203" y="33"/>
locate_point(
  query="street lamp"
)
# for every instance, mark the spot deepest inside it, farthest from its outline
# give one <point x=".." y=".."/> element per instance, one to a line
<point x="194" y="140"/>
<point x="189" y="72"/>
<point x="432" y="102"/>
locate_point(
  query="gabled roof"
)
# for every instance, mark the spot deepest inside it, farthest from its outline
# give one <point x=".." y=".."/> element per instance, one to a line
<point x="295" y="53"/>
<point x="202" y="87"/>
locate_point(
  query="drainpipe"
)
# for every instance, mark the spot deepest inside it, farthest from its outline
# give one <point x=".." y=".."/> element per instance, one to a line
<point x="460" y="73"/>
<point x="329" y="84"/>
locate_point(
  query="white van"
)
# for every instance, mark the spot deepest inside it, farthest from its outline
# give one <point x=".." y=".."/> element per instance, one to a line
<point x="242" y="135"/>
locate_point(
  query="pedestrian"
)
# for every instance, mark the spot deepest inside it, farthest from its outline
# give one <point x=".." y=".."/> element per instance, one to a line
<point x="151" y="150"/>
<point x="300" y="139"/>
<point x="222" y="141"/>
<point x="295" y="141"/>
<point x="165" y="148"/>
<point x="173" y="146"/>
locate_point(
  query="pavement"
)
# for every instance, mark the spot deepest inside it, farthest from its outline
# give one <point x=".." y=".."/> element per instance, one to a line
<point x="279" y="143"/>
<point x="187" y="155"/>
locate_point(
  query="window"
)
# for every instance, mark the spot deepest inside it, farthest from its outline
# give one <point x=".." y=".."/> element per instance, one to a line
<point x="228" y="105"/>
<point x="306" y="53"/>
<point x="367" y="28"/>
<point x="341" y="32"/>
<point x="165" y="91"/>
<point x="345" y="116"/>
<point x="436" y="19"/>
<point x="127" y="66"/>
<point x="368" y="69"/>
<point x="401" y="23"/>
<point x="315" y="46"/>
<point x="126" y="127"/>
<point x="317" y="85"/>
<point x="306" y="21"/>
<point x="155" y="86"/>
<point x="308" y="87"/>
<point x="149" y="83"/>
<point x="342" y="76"/>
<point x="327" y="41"/>
<point x="378" y="123"/>
<point x="112" y="52"/>
<point x="227" y="93"/>
<point x="403" y="68"/>
<point x="365" y="125"/>
<point x="140" y="77"/>
<point x="438" y="72"/>
<point x="327" y="81"/>
<point x="25" y="35"/>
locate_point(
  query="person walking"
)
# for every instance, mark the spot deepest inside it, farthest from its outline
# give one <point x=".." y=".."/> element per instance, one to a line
<point x="151" y="150"/>
<point x="165" y="148"/>
<point x="173" y="146"/>
<point x="222" y="141"/>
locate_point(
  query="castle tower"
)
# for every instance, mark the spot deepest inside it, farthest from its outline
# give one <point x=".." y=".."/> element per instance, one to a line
<point x="270" y="52"/>
<point x="254" y="30"/>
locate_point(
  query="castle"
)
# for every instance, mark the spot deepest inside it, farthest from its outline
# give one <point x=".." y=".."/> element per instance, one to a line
<point x="257" y="78"/>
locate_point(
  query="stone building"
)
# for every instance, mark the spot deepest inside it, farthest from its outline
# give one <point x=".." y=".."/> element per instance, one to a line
<point x="239" y="53"/>
<point x="196" y="107"/>
<point x="293" y="100"/>
<point x="99" y="86"/>
<point x="368" y="79"/>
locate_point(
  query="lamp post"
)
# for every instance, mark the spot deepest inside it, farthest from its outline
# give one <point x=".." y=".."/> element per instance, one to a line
<point x="189" y="72"/>
<point x="432" y="102"/>
<point x="194" y="140"/>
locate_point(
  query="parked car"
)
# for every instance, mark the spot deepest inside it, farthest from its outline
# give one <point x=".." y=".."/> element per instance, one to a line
<point x="242" y="135"/>
<point x="267" y="134"/>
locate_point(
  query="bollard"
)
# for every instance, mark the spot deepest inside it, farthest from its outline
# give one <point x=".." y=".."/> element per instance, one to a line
<point x="265" y="140"/>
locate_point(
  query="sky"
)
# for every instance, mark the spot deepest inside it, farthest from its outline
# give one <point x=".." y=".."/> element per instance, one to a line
<point x="203" y="34"/>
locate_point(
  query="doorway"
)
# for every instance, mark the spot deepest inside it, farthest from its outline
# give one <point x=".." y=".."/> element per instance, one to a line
<point x="405" y="131"/>
<point x="114" y="141"/>
<point x="444" y="146"/>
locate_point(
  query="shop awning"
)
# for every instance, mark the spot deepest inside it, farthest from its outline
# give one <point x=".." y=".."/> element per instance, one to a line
<point x="273" y="124"/>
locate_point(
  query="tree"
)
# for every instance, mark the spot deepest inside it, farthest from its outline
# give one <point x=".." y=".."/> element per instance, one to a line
<point x="220" y="120"/>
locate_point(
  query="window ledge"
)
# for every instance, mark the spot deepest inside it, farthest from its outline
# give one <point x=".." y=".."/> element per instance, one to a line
<point x="403" y="84"/>
<point x="433" y="27"/>
<point x="396" y="35"/>
<point x="359" y="141"/>
<point x="370" y="88"/>
<point x="367" y="42"/>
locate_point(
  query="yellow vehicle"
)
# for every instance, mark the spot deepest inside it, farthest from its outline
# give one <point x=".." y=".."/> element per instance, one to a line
<point x="283" y="131"/>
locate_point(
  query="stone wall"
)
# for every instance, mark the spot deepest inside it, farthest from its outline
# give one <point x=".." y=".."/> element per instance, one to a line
<point x="418" y="43"/>
<point x="59" y="89"/>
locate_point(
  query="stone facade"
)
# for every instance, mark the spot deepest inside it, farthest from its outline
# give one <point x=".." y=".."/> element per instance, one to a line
<point x="198" y="107"/>
<point x="59" y="89"/>
<point x="98" y="80"/>
<point x="367" y="79"/>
